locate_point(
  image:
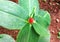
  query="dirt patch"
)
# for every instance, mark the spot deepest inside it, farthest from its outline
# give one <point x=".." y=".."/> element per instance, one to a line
<point x="13" y="33"/>
<point x="53" y="7"/>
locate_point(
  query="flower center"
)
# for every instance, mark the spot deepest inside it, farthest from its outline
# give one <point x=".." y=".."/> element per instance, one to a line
<point x="30" y="20"/>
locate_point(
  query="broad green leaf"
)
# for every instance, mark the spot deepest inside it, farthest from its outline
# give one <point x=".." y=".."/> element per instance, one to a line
<point x="6" y="38"/>
<point x="45" y="15"/>
<point x="43" y="18"/>
<point x="12" y="16"/>
<point x="44" y="39"/>
<point x="40" y="30"/>
<point x="28" y="5"/>
<point x="10" y="21"/>
<point x="33" y="36"/>
<point x="13" y="9"/>
<point x="27" y="34"/>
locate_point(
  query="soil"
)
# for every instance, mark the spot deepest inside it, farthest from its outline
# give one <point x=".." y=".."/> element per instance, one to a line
<point x="14" y="0"/>
<point x="53" y="7"/>
<point x="13" y="33"/>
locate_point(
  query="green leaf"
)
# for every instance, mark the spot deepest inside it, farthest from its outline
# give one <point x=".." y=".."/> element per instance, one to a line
<point x="27" y="34"/>
<point x="28" y="5"/>
<point x="12" y="16"/>
<point x="42" y="21"/>
<point x="40" y="30"/>
<point x="6" y="38"/>
<point x="43" y="18"/>
<point x="13" y="9"/>
<point x="10" y="21"/>
<point x="44" y="39"/>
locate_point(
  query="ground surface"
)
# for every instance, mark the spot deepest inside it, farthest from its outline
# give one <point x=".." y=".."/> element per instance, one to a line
<point x="55" y="20"/>
<point x="53" y="7"/>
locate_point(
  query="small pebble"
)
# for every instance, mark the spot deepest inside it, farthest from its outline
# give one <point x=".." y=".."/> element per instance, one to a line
<point x="16" y="31"/>
<point x="57" y="3"/>
<point x="52" y="31"/>
<point x="57" y="20"/>
<point x="58" y="28"/>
